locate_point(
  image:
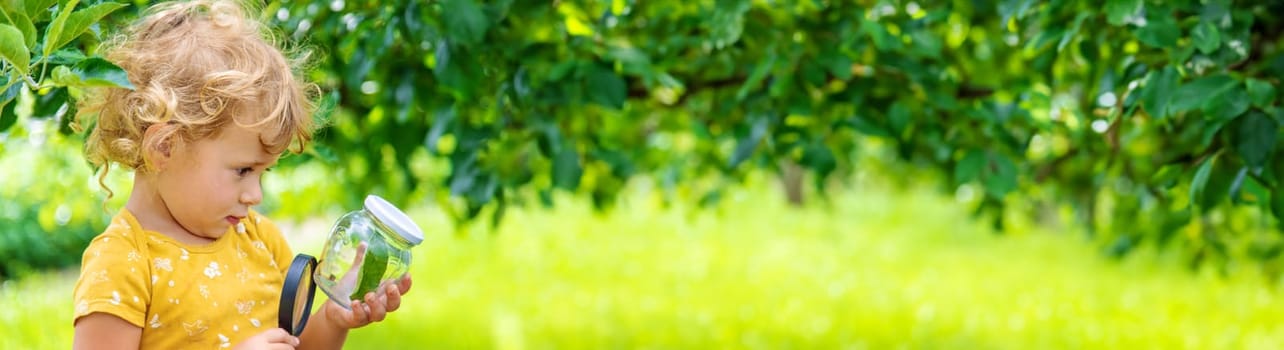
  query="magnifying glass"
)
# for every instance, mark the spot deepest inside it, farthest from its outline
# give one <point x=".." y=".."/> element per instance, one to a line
<point x="297" y="294"/>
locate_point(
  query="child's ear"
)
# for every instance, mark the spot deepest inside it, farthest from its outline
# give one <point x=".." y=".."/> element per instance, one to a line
<point x="158" y="145"/>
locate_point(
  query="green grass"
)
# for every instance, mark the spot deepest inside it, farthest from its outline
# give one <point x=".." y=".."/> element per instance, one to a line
<point x="874" y="270"/>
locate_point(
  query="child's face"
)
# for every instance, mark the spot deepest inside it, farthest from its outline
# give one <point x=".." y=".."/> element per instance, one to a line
<point x="211" y="184"/>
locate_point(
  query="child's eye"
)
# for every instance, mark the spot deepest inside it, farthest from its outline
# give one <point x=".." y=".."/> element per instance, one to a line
<point x="244" y="171"/>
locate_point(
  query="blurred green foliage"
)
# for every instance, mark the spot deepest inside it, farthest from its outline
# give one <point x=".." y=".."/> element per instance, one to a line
<point x="882" y="269"/>
<point x="44" y="223"/>
<point x="1144" y="121"/>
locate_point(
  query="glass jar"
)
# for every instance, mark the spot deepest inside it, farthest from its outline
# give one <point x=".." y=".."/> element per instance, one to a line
<point x="366" y="248"/>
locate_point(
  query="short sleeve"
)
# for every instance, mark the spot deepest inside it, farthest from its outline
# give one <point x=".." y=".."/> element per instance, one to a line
<point x="271" y="236"/>
<point x="113" y="279"/>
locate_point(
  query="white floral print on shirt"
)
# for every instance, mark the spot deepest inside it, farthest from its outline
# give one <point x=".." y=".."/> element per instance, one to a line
<point x="212" y="271"/>
<point x="163" y="264"/>
<point x="195" y="328"/>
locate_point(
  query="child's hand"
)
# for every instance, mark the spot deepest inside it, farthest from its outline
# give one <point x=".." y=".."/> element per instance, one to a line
<point x="373" y="309"/>
<point x="275" y="338"/>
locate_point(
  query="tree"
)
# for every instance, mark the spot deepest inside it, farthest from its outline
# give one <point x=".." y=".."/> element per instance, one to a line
<point x="1156" y="113"/>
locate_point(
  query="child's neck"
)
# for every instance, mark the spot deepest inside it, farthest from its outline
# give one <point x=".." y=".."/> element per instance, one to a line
<point x="147" y="206"/>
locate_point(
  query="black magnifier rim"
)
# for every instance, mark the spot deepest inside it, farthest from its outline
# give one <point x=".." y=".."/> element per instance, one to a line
<point x="301" y="266"/>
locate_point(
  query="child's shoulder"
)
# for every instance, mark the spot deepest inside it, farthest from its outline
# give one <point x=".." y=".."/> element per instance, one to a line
<point x="122" y="232"/>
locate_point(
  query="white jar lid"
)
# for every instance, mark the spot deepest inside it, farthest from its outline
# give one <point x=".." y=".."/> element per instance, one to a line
<point x="395" y="219"/>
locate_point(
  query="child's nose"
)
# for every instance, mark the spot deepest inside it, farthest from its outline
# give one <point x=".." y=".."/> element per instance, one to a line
<point x="252" y="196"/>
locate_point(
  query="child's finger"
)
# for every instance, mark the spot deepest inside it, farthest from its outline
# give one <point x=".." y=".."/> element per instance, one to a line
<point x="360" y="314"/>
<point x="349" y="278"/>
<point x="404" y="284"/>
<point x="375" y="306"/>
<point x="278" y="335"/>
<point x="393" y="295"/>
<point x="358" y="259"/>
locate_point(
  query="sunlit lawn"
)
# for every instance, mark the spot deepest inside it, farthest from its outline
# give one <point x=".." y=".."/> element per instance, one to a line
<point x="876" y="270"/>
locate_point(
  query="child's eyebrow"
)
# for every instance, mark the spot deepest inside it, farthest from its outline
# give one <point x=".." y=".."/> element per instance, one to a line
<point x="263" y="163"/>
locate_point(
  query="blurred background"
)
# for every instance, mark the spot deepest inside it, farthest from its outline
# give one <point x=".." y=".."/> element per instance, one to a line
<point x="984" y="174"/>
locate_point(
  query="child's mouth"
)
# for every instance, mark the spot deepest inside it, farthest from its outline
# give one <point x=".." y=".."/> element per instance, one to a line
<point x="233" y="220"/>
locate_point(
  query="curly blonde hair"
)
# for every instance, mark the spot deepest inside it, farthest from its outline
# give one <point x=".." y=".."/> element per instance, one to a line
<point x="197" y="66"/>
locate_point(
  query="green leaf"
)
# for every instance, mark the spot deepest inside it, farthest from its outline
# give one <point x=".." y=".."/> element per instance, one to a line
<point x="710" y="199"/>
<point x="1227" y="105"/>
<point x="48" y="104"/>
<point x="62" y="76"/>
<point x="456" y="70"/>
<point x="1207" y="38"/>
<point x="631" y="60"/>
<point x="927" y="44"/>
<point x="1181" y="53"/>
<point x="1200" y="181"/>
<point x="1212" y="182"/>
<point x="999" y="176"/>
<point x="606" y="88"/>
<point x="78" y="22"/>
<point x="1157" y="95"/>
<point x="1073" y="32"/>
<point x="1237" y="185"/>
<point x="969" y="167"/>
<point x="1014" y="8"/>
<point x="1209" y="130"/>
<point x="726" y="23"/>
<point x="1047" y="35"/>
<point x="96" y="71"/>
<point x="1277" y="204"/>
<point x="812" y="73"/>
<point x="760" y="72"/>
<point x="1118" y="11"/>
<point x="55" y="29"/>
<point x="566" y="168"/>
<point x="12" y="49"/>
<point x="898" y="118"/>
<point x="820" y="158"/>
<point x="28" y="29"/>
<point x="1249" y="190"/>
<point x="838" y="64"/>
<point x="8" y="114"/>
<point x="35" y="8"/>
<point x="746" y="146"/>
<point x="867" y="127"/>
<point x="14" y="89"/>
<point x="1255" y="135"/>
<point x="1160" y="30"/>
<point x="1196" y="93"/>
<point x="66" y="57"/>
<point x="883" y="40"/>
<point x="373" y="266"/>
<point x="1089" y="49"/>
<point x="1167" y="176"/>
<point x="1219" y="184"/>
<point x="465" y="21"/>
<point x="1262" y="93"/>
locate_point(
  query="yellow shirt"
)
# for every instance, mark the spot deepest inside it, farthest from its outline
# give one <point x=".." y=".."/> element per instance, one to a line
<point x="184" y="296"/>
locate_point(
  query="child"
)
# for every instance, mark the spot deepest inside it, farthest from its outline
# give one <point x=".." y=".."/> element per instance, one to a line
<point x="186" y="263"/>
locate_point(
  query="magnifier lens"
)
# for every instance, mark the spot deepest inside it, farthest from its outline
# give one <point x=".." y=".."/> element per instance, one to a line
<point x="301" y="309"/>
<point x="297" y="294"/>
